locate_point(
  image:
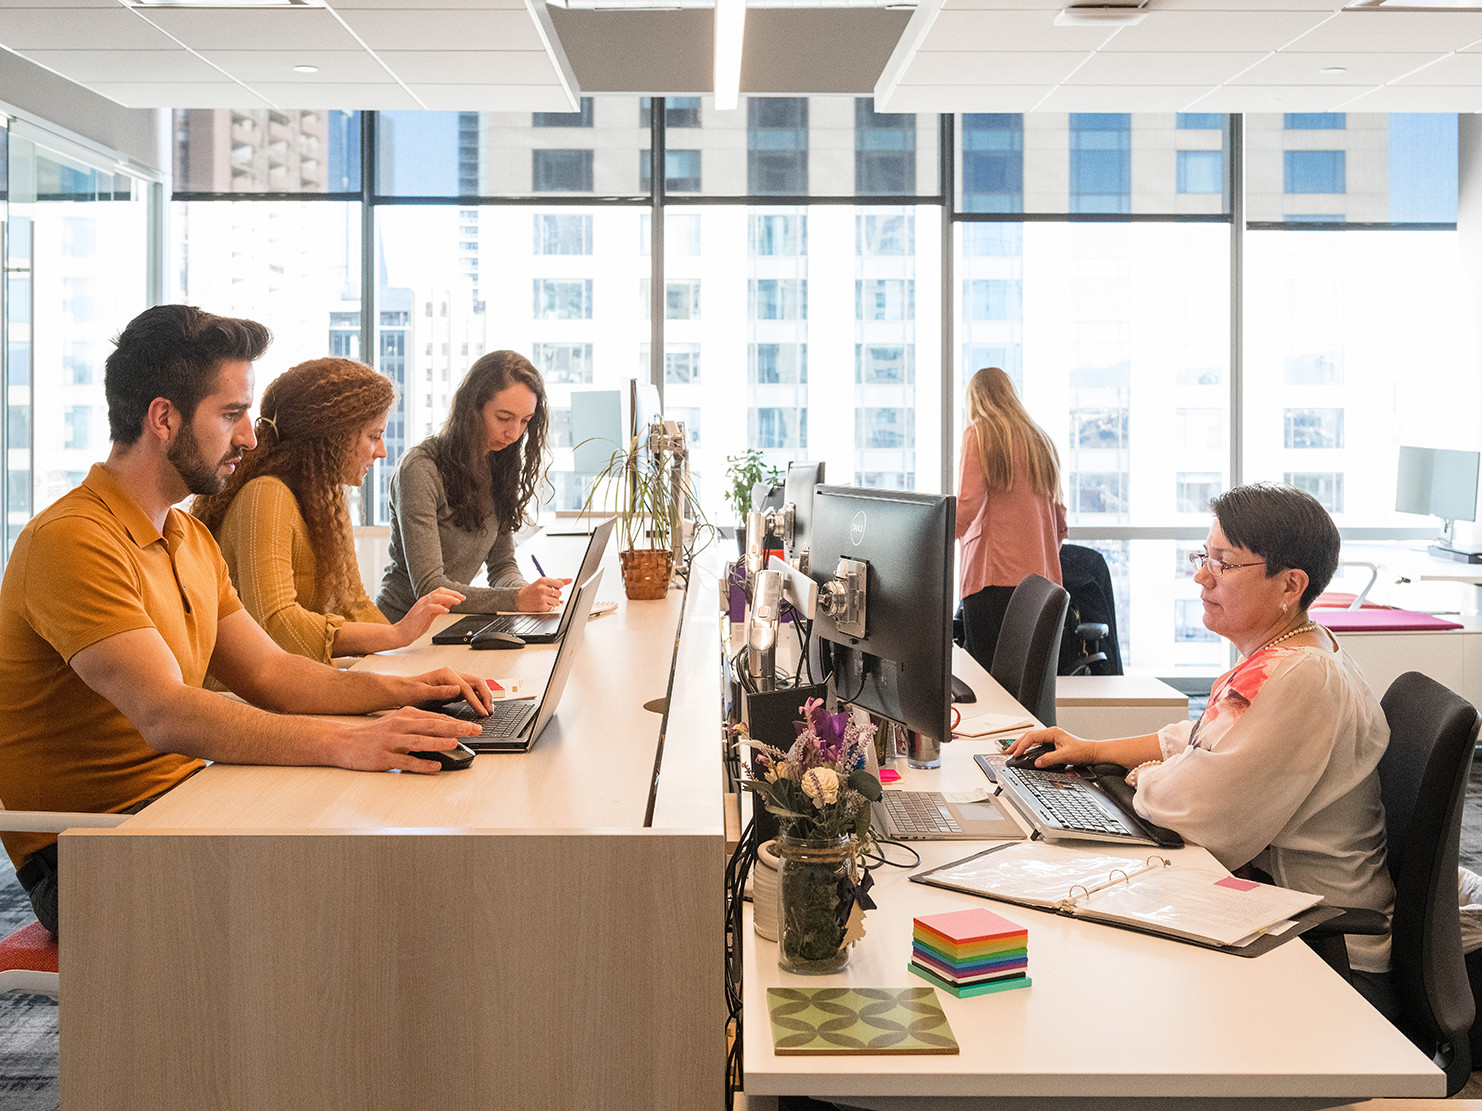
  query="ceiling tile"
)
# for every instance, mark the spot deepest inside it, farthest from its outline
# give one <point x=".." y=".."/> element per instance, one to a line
<point x="367" y="96"/>
<point x="1236" y="31"/>
<point x="1453" y="69"/>
<point x="1271" y="98"/>
<point x="484" y="98"/>
<point x="89" y="66"/>
<point x="957" y="98"/>
<point x="983" y="68"/>
<point x="435" y="29"/>
<point x="1161" y="69"/>
<point x="61" y="4"/>
<point x="988" y="30"/>
<point x="1290" y="68"/>
<point x="335" y="66"/>
<point x="255" y="28"/>
<point x="186" y="94"/>
<point x="1422" y="32"/>
<point x="471" y="67"/>
<point x="92" y="28"/>
<point x="1126" y="98"/>
<point x="1394" y="98"/>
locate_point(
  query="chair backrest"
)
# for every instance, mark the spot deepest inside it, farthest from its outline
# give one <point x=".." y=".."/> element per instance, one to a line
<point x="1088" y="580"/>
<point x="1028" y="650"/>
<point x="1422" y="778"/>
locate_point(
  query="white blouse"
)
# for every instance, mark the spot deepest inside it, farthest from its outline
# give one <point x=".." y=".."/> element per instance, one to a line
<point x="1280" y="772"/>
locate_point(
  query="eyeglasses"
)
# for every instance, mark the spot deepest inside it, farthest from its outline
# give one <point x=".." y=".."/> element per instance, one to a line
<point x="1201" y="560"/>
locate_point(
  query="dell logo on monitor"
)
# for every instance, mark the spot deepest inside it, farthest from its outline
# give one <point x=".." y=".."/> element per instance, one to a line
<point x="857" y="529"/>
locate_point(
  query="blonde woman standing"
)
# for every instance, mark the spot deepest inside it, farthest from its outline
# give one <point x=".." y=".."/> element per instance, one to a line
<point x="1010" y="518"/>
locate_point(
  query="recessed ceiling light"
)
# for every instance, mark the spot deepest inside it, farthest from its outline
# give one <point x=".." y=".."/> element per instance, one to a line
<point x="305" y="69"/>
<point x="1330" y="71"/>
<point x="1102" y="15"/>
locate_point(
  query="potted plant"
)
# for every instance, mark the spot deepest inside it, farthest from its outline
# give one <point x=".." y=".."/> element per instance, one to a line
<point x="820" y="792"/>
<point x="648" y="491"/>
<point x="742" y="473"/>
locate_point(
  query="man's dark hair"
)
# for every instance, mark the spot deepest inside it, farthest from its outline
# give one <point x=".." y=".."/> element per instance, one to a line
<point x="1286" y="527"/>
<point x="174" y="352"/>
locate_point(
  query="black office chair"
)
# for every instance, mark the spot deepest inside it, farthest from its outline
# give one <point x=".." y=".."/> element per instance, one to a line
<point x="1089" y="644"/>
<point x="1422" y="778"/>
<point x="1028" y="648"/>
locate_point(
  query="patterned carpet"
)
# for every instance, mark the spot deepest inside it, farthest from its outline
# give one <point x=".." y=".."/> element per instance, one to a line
<point x="28" y="1023"/>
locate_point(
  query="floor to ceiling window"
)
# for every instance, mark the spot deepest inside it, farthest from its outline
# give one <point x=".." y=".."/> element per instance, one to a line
<point x="77" y="236"/>
<point x="797" y="305"/>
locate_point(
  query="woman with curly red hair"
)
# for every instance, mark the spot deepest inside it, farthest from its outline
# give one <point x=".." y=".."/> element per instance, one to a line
<point x="283" y="523"/>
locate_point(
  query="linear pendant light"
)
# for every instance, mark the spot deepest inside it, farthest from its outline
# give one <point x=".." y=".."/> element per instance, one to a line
<point x="730" y="29"/>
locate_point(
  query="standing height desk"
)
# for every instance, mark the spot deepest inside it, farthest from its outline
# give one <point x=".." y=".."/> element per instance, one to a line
<point x="506" y="937"/>
<point x="1113" y="1018"/>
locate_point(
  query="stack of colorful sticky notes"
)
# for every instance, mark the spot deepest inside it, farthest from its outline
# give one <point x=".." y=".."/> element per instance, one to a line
<point x="970" y="952"/>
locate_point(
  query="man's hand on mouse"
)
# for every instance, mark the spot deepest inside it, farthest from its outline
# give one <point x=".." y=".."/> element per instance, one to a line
<point x="1067" y="748"/>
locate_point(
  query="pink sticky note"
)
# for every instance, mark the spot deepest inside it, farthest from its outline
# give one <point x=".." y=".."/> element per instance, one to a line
<point x="889" y="775"/>
<point x="1235" y="883"/>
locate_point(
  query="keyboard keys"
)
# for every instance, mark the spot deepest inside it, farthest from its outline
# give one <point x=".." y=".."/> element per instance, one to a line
<point x="919" y="812"/>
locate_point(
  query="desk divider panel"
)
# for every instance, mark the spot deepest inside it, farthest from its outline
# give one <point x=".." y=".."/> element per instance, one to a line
<point x="424" y="968"/>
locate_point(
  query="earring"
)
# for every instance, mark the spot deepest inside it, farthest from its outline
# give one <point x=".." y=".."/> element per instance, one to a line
<point x="1283" y="607"/>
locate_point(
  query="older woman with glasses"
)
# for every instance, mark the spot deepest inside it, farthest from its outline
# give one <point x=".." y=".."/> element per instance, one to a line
<point x="1278" y="776"/>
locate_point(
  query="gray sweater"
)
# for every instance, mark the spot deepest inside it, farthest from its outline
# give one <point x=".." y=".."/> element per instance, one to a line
<point x="428" y="550"/>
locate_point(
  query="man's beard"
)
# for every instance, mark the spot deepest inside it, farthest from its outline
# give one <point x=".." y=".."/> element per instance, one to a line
<point x="199" y="476"/>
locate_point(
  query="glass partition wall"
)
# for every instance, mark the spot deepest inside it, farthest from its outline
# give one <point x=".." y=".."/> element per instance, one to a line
<point x="1185" y="300"/>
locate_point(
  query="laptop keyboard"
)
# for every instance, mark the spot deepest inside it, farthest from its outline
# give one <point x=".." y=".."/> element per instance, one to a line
<point x="503" y="722"/>
<point x="1065" y="800"/>
<point x="918" y="812"/>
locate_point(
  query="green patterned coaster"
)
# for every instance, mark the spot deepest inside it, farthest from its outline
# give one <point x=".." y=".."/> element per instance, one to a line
<point x="828" y="1021"/>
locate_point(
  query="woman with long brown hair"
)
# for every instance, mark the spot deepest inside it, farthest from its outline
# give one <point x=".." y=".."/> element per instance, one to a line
<point x="283" y="523"/>
<point x="459" y="497"/>
<point x="1010" y="518"/>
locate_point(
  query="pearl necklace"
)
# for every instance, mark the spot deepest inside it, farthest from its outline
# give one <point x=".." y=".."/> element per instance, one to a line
<point x="1307" y="628"/>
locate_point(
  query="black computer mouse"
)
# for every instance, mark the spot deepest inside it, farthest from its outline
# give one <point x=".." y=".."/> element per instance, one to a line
<point x="493" y="638"/>
<point x="1027" y="758"/>
<point x="454" y="759"/>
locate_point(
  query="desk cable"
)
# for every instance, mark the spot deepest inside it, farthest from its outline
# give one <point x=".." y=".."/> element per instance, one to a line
<point x="738" y="868"/>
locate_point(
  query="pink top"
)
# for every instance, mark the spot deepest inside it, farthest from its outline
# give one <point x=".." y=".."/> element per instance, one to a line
<point x="1007" y="535"/>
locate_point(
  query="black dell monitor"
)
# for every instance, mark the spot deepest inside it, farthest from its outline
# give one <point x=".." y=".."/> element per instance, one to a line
<point x="899" y="665"/>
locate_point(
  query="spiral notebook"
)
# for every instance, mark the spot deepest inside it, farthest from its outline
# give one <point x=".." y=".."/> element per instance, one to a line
<point x="1200" y="904"/>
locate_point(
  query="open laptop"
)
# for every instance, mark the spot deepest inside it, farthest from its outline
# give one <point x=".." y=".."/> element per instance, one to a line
<point x="533" y="628"/>
<point x="515" y="725"/>
<point x="929" y="816"/>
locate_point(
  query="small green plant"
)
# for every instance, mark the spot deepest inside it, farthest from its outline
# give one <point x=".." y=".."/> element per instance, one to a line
<point x="743" y="472"/>
<point x="641" y="490"/>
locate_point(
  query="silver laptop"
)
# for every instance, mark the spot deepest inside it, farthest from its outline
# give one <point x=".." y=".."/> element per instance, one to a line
<point x="533" y="628"/>
<point x="928" y="816"/>
<point x="515" y="725"/>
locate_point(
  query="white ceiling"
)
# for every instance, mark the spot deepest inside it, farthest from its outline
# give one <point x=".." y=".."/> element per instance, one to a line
<point x="955" y="55"/>
<point x="1186" y="56"/>
<point x="451" y="54"/>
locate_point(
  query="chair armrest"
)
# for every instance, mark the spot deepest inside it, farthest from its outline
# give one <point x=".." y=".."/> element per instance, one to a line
<point x="55" y="821"/>
<point x="1092" y="630"/>
<point x="1353" y="920"/>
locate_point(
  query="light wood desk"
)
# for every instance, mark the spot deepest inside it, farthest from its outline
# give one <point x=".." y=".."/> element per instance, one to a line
<point x="1113" y="1018"/>
<point x="509" y="936"/>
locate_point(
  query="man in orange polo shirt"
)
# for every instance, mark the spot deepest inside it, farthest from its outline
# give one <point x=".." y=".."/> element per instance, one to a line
<point x="115" y="605"/>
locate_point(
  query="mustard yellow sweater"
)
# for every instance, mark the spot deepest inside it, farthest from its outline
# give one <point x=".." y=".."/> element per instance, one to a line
<point x="266" y="545"/>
